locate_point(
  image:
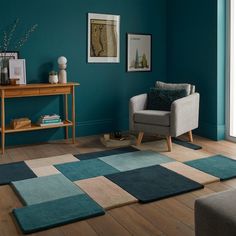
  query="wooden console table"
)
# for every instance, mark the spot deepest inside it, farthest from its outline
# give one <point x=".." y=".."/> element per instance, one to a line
<point x="32" y="90"/>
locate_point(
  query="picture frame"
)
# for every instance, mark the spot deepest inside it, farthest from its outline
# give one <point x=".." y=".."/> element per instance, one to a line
<point x="8" y="55"/>
<point x="17" y="70"/>
<point x="103" y="38"/>
<point x="139" y="52"/>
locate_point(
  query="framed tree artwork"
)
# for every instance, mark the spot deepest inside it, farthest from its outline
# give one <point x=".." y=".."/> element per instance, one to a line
<point x="103" y="38"/>
<point x="139" y="49"/>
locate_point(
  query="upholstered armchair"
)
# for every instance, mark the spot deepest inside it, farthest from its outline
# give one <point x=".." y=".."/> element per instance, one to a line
<point x="182" y="117"/>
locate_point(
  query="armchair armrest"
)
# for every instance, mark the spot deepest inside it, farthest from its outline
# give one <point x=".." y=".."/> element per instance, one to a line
<point x="136" y="103"/>
<point x="184" y="114"/>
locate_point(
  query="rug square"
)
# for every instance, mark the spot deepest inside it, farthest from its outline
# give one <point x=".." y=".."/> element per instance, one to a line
<point x="153" y="183"/>
<point x="179" y="152"/>
<point x="85" y="169"/>
<point x="44" y="189"/>
<point x="45" y="171"/>
<point x="105" y="193"/>
<point x="218" y="165"/>
<point x="55" y="213"/>
<point x="186" y="144"/>
<point x="135" y="160"/>
<point x="92" y="155"/>
<point x="15" y="171"/>
<point x="190" y="172"/>
<point x="51" y="160"/>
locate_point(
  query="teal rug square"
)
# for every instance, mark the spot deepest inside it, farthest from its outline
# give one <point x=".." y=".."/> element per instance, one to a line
<point x="85" y="169"/>
<point x="219" y="166"/>
<point x="153" y="183"/>
<point x="55" y="213"/>
<point x="92" y="155"/>
<point x="135" y="160"/>
<point x="44" y="189"/>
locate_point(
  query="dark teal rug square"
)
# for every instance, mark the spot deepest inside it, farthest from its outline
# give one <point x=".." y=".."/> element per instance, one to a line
<point x="153" y="183"/>
<point x="219" y="166"/>
<point x="85" y="169"/>
<point x="45" y="189"/>
<point x="55" y="213"/>
<point x="186" y="144"/>
<point x="15" y="171"/>
<point x="92" y="155"/>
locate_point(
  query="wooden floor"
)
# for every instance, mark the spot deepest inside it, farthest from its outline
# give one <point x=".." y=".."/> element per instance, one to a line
<point x="172" y="216"/>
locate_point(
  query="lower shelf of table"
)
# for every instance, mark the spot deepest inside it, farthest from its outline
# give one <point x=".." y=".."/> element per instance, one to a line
<point x="37" y="127"/>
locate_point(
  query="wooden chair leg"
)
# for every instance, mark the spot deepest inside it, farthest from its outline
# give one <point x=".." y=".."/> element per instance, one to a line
<point x="169" y="143"/>
<point x="140" y="137"/>
<point x="190" y="136"/>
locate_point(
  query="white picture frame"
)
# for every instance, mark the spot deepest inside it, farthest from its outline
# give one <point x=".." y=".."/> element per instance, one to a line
<point x="139" y="52"/>
<point x="17" y="70"/>
<point x="103" y="38"/>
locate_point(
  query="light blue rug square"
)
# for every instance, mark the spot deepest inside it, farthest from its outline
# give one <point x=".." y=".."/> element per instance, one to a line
<point x="85" y="169"/>
<point x="46" y="188"/>
<point x="135" y="160"/>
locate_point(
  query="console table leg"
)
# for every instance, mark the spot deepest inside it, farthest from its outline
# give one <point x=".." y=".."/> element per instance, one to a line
<point x="73" y="114"/>
<point x="66" y="114"/>
<point x="3" y="121"/>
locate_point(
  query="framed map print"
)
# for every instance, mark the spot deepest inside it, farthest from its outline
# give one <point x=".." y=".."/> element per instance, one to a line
<point x="103" y="38"/>
<point x="139" y="49"/>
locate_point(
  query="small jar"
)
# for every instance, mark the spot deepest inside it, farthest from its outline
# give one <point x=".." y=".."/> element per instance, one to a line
<point x="53" y="78"/>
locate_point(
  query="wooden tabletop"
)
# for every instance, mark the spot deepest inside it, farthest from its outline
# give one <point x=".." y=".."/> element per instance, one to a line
<point x="39" y="85"/>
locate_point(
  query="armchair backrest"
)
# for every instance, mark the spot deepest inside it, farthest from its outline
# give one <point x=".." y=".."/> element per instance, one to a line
<point x="190" y="89"/>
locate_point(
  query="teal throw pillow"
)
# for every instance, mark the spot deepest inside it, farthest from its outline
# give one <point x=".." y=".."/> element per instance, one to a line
<point x="161" y="99"/>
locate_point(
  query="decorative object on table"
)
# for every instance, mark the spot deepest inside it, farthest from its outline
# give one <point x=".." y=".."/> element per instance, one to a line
<point x="103" y="38"/>
<point x="139" y="47"/>
<point x="49" y="120"/>
<point x="116" y="139"/>
<point x="17" y="70"/>
<point x="53" y="77"/>
<point x="14" y="81"/>
<point x="9" y="49"/>
<point x="4" y="66"/>
<point x="62" y="70"/>
<point x="21" y="123"/>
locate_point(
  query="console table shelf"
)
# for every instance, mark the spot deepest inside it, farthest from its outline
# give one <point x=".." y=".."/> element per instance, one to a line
<point x="33" y="127"/>
<point x="32" y="90"/>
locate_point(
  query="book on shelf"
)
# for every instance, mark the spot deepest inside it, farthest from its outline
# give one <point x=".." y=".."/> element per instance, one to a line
<point x="42" y="121"/>
<point x="50" y="117"/>
<point x="48" y="124"/>
<point x="46" y="120"/>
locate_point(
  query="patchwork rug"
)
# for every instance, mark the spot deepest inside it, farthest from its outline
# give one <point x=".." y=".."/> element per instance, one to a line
<point x="66" y="188"/>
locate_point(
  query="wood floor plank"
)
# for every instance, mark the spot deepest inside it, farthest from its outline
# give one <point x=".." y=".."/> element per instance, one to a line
<point x="134" y="222"/>
<point x="107" y="226"/>
<point x="168" y="224"/>
<point x="177" y="210"/>
<point x="81" y="228"/>
<point x="188" y="199"/>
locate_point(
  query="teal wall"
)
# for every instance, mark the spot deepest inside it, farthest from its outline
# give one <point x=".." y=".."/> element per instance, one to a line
<point x="196" y="54"/>
<point x="102" y="98"/>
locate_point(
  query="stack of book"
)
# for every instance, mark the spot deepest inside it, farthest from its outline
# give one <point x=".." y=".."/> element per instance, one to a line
<point x="47" y="120"/>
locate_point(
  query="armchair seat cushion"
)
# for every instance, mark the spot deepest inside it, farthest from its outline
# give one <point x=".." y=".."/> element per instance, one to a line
<point x="152" y="117"/>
